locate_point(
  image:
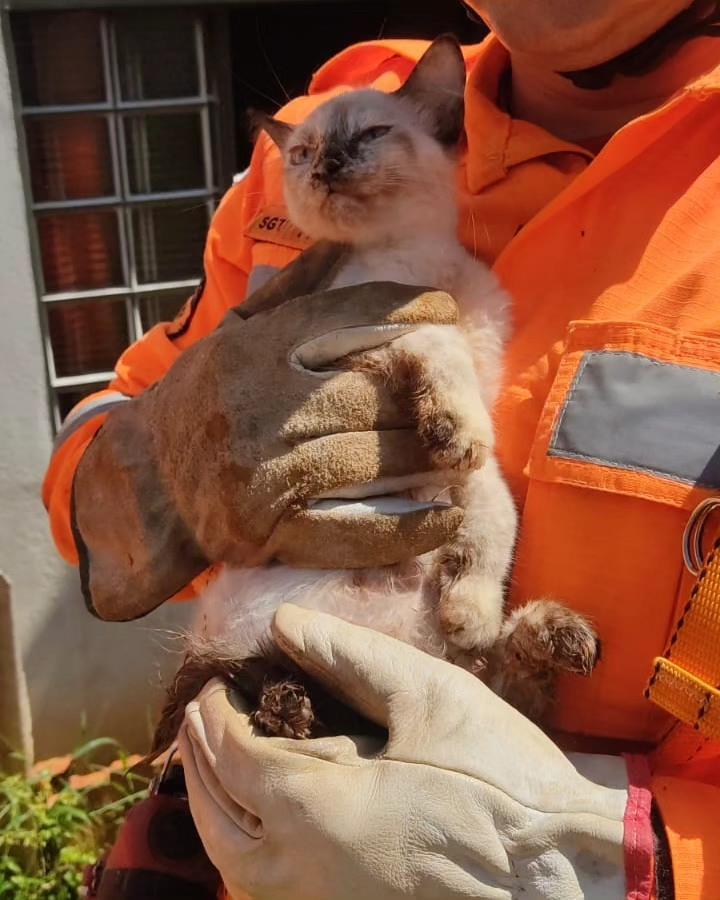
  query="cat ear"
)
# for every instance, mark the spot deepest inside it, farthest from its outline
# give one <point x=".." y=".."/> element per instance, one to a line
<point x="437" y="87"/>
<point x="279" y="131"/>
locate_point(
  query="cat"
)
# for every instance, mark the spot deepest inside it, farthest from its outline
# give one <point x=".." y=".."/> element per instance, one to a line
<point x="376" y="172"/>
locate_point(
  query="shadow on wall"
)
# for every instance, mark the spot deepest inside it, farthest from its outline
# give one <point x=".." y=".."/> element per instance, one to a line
<point x="89" y="678"/>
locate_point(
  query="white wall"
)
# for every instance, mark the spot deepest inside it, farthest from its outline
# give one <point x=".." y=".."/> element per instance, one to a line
<point x="79" y="670"/>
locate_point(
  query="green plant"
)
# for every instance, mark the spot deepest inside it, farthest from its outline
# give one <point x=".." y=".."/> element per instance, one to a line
<point x="54" y="823"/>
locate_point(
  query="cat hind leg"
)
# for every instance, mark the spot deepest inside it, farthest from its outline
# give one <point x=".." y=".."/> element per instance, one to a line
<point x="284" y="709"/>
<point x="538" y="642"/>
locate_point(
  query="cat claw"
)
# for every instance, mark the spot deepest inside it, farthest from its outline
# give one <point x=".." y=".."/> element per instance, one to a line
<point x="453" y="447"/>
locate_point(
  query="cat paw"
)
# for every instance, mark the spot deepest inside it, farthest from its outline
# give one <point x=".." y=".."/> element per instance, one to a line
<point x="454" y="444"/>
<point x="470" y="611"/>
<point x="545" y="634"/>
<point x="285" y="710"/>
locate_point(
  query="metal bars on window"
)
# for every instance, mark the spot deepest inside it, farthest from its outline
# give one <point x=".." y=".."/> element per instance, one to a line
<point x="124" y="177"/>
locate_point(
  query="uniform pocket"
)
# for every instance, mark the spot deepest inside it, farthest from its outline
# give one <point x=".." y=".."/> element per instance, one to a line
<point x="626" y="446"/>
<point x="635" y="410"/>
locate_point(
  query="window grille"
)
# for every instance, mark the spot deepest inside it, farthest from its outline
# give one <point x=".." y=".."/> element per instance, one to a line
<point x="120" y="117"/>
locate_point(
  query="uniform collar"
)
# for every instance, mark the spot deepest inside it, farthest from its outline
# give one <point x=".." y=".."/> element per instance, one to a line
<point x="496" y="141"/>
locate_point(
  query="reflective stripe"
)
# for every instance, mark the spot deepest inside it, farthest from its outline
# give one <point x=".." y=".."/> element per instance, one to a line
<point x="259" y="276"/>
<point x="82" y="415"/>
<point x="628" y="411"/>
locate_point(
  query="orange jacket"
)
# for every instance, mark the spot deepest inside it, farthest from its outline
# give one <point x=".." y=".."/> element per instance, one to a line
<point x="614" y="267"/>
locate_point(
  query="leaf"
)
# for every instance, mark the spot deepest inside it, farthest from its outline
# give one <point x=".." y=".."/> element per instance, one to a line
<point x="128" y="800"/>
<point x="96" y="744"/>
<point x="53" y="824"/>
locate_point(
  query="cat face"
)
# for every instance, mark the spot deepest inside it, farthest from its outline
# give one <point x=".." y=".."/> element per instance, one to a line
<point x="366" y="162"/>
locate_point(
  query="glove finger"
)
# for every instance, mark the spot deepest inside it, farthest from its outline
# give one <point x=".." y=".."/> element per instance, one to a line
<point x="240" y="768"/>
<point x="318" y="466"/>
<point x="361" y="535"/>
<point x="209" y="800"/>
<point x="386" y="680"/>
<point x="374" y="303"/>
<point x="349" y="401"/>
<point x="226" y="836"/>
<point x="299" y="325"/>
<point x="229" y="756"/>
<point x="336" y="533"/>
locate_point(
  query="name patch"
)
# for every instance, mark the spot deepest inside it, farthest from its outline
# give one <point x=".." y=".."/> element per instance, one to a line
<point x="273" y="226"/>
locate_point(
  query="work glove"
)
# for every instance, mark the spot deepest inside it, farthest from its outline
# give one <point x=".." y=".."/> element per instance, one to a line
<point x="220" y="461"/>
<point x="467" y="798"/>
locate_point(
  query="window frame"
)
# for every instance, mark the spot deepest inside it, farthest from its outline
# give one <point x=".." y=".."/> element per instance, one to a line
<point x="58" y="5"/>
<point x="214" y="93"/>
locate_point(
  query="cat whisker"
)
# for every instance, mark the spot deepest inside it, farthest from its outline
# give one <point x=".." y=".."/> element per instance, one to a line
<point x="474" y="233"/>
<point x="257" y="91"/>
<point x="267" y="59"/>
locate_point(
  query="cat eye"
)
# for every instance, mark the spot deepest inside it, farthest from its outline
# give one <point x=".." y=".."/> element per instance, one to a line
<point x="375" y="132"/>
<point x="299" y="154"/>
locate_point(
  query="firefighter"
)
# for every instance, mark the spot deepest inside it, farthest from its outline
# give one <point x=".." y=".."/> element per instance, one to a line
<point x="591" y="182"/>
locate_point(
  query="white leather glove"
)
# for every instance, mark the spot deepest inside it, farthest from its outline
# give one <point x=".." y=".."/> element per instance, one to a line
<point x="466" y="799"/>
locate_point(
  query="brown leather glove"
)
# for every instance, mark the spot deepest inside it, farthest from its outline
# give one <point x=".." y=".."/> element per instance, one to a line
<point x="220" y="461"/>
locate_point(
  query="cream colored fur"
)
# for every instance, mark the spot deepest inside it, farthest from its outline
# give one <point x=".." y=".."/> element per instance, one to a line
<point x="239" y="605"/>
<point x="394" y="203"/>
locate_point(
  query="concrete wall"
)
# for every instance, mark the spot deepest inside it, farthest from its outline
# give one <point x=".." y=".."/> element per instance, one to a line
<point x="85" y="678"/>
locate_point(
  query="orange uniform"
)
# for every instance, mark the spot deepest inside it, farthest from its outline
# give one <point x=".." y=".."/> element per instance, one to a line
<point x="612" y="391"/>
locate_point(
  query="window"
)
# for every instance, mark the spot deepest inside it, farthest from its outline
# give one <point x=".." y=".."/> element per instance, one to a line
<point x="133" y="127"/>
<point x="120" y="112"/>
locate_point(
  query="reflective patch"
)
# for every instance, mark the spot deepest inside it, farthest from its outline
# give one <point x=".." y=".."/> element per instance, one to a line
<point x="82" y="415"/>
<point x="631" y="412"/>
<point x="183" y="320"/>
<point x="259" y="276"/>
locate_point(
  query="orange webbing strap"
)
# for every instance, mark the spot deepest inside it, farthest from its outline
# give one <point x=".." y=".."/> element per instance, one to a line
<point x="686" y="679"/>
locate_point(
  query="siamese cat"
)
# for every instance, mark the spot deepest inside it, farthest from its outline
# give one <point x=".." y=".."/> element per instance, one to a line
<point x="376" y="172"/>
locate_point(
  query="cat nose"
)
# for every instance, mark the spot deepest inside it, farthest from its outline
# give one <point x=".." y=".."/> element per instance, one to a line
<point x="328" y="168"/>
<point x="332" y="165"/>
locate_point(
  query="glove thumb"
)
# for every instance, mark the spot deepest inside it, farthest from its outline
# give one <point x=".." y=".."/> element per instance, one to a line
<point x="377" y="675"/>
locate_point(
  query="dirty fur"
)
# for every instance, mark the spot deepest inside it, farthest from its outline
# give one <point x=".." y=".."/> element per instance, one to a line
<point x="376" y="172"/>
<point x="284" y="701"/>
<point x="538" y="642"/>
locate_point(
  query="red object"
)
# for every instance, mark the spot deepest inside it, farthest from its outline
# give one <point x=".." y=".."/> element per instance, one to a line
<point x="639" y="841"/>
<point x="158" y="853"/>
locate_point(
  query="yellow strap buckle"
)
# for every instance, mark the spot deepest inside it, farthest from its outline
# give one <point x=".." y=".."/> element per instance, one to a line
<point x="686" y="679"/>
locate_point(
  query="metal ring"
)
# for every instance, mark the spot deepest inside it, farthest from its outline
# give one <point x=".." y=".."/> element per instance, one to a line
<point x="692" y="544"/>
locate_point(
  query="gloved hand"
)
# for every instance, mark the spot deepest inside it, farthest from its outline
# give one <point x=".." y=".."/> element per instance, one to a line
<point x="219" y="462"/>
<point x="466" y="799"/>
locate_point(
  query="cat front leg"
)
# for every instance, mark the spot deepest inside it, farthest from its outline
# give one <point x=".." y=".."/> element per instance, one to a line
<point x="472" y="570"/>
<point x="433" y="367"/>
